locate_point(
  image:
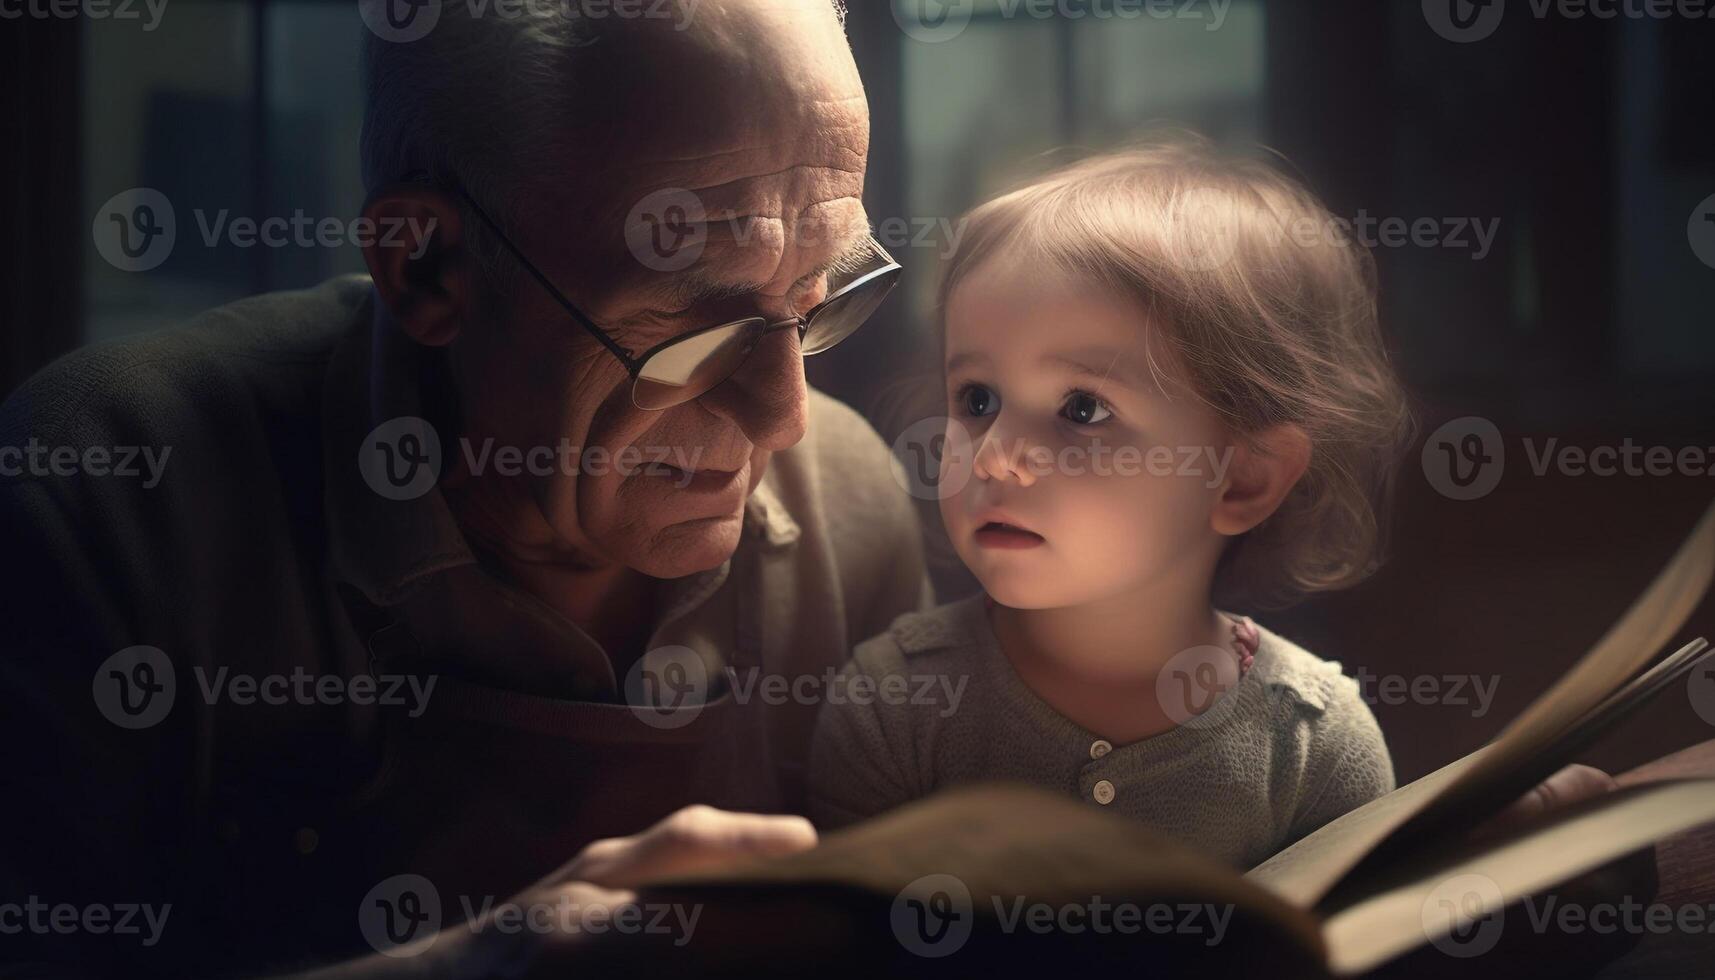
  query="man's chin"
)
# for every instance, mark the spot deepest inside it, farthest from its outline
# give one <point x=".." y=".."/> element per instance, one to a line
<point x="692" y="546"/>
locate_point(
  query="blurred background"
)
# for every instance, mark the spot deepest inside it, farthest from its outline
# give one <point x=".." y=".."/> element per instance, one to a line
<point x="1582" y="142"/>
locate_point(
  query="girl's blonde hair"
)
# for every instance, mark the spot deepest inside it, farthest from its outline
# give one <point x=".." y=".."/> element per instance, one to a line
<point x="1267" y="305"/>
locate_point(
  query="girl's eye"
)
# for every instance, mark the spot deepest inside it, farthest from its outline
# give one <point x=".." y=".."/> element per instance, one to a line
<point x="1084" y="408"/>
<point x="978" y="401"/>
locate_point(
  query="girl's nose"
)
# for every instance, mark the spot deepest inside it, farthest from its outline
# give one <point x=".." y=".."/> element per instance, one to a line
<point x="1001" y="455"/>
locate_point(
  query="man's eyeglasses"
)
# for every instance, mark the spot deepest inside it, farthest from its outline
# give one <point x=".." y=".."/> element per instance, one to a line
<point x="688" y="366"/>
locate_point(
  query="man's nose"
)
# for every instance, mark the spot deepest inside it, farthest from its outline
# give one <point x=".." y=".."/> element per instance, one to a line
<point x="1003" y="454"/>
<point x="767" y="397"/>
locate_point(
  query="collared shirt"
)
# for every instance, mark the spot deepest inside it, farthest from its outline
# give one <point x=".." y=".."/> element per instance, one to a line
<point x="1257" y="760"/>
<point x="261" y="564"/>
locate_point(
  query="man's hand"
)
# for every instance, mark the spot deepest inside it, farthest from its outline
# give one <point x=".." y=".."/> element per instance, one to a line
<point x="696" y="838"/>
<point x="1570" y="785"/>
<point x="605" y="874"/>
<point x="601" y="877"/>
<point x="1524" y="949"/>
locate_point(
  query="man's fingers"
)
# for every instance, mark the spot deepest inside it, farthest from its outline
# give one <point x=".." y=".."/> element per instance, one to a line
<point x="696" y="838"/>
<point x="1568" y="786"/>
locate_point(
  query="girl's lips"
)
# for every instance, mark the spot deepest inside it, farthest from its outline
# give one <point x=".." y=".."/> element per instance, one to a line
<point x="994" y="534"/>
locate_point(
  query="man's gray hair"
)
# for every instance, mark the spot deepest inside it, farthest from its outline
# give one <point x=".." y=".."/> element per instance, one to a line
<point x="481" y="97"/>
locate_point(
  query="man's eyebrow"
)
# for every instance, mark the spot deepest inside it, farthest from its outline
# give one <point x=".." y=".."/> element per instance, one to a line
<point x="691" y="287"/>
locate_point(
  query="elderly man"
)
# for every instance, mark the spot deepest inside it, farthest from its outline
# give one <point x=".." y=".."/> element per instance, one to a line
<point x="477" y="564"/>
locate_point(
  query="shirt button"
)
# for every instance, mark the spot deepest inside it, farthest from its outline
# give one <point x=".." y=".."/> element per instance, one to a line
<point x="1100" y="747"/>
<point x="1103" y="792"/>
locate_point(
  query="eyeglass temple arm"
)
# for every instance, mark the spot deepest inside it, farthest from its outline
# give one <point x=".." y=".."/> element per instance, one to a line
<point x="576" y="314"/>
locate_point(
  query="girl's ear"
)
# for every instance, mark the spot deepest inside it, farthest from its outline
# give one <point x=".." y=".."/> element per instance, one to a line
<point x="1262" y="472"/>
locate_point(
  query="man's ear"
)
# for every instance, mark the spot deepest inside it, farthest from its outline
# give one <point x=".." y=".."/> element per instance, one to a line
<point x="1264" y="468"/>
<point x="418" y="259"/>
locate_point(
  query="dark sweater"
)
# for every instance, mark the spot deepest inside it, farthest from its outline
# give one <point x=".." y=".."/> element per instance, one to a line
<point x="252" y="550"/>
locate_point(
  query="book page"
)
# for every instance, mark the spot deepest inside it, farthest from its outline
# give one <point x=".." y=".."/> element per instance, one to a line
<point x="1463" y="891"/>
<point x="1308" y="870"/>
<point x="1302" y="873"/>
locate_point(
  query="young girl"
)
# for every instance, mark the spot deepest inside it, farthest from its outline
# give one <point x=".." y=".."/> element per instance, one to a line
<point x="1166" y="398"/>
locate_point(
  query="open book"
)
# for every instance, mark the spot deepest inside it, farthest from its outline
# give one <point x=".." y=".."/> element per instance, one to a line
<point x="1349" y="897"/>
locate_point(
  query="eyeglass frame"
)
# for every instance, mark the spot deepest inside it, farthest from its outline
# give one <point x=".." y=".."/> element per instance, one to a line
<point x="634" y="363"/>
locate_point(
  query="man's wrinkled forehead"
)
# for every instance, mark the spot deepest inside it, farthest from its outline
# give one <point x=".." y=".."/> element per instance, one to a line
<point x="757" y="113"/>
